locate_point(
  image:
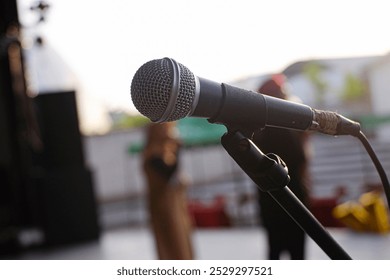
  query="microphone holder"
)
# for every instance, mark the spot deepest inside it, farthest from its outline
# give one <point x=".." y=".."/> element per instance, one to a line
<point x="270" y="174"/>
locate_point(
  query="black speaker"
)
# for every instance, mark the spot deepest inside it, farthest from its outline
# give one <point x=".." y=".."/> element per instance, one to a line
<point x="68" y="208"/>
<point x="64" y="185"/>
<point x="59" y="127"/>
<point x="12" y="131"/>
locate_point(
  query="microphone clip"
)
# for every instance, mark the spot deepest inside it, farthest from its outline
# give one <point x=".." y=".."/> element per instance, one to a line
<point x="269" y="172"/>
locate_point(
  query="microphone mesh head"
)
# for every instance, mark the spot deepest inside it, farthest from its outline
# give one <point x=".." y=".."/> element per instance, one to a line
<point x="151" y="90"/>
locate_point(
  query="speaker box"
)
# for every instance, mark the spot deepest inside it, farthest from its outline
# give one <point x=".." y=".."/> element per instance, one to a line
<point x="11" y="165"/>
<point x="58" y="121"/>
<point x="65" y="187"/>
<point x="68" y="208"/>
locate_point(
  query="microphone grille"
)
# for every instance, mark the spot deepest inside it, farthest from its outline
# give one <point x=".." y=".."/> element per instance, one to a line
<point x="152" y="90"/>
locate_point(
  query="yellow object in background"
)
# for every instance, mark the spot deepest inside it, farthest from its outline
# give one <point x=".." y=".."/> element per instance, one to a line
<point x="375" y="206"/>
<point x="352" y="214"/>
<point x="367" y="215"/>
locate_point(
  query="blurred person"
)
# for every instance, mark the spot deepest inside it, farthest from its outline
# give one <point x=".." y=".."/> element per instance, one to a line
<point x="283" y="234"/>
<point x="167" y="187"/>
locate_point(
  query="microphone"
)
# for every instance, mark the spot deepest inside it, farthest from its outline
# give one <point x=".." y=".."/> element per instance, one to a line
<point x="164" y="90"/>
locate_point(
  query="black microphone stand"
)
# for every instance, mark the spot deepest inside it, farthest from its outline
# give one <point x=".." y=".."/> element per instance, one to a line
<point x="270" y="174"/>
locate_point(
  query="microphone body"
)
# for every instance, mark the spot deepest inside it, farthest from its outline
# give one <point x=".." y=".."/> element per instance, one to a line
<point x="229" y="105"/>
<point x="164" y="90"/>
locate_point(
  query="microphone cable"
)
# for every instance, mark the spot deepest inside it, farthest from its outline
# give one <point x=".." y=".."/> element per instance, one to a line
<point x="382" y="174"/>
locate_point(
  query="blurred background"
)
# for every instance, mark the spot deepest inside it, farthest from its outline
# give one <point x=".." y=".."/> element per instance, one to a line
<point x="71" y="178"/>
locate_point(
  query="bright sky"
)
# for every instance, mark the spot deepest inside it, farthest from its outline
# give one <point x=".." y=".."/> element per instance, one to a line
<point x="105" y="42"/>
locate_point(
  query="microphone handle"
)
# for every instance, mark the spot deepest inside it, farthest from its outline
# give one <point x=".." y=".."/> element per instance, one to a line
<point x="229" y="105"/>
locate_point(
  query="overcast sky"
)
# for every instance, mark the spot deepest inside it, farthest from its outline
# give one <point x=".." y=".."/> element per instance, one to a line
<point x="105" y="42"/>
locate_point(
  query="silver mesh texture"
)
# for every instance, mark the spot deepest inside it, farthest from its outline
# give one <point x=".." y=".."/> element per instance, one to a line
<point x="152" y="86"/>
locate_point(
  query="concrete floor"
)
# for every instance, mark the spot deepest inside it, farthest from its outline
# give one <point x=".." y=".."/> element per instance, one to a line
<point x="210" y="244"/>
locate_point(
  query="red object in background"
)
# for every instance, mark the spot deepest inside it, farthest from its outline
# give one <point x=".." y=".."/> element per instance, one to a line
<point x="322" y="210"/>
<point x="213" y="214"/>
<point x="209" y="214"/>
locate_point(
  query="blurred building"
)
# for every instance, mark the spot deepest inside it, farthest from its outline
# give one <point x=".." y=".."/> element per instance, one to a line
<point x="379" y="85"/>
<point x="357" y="87"/>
